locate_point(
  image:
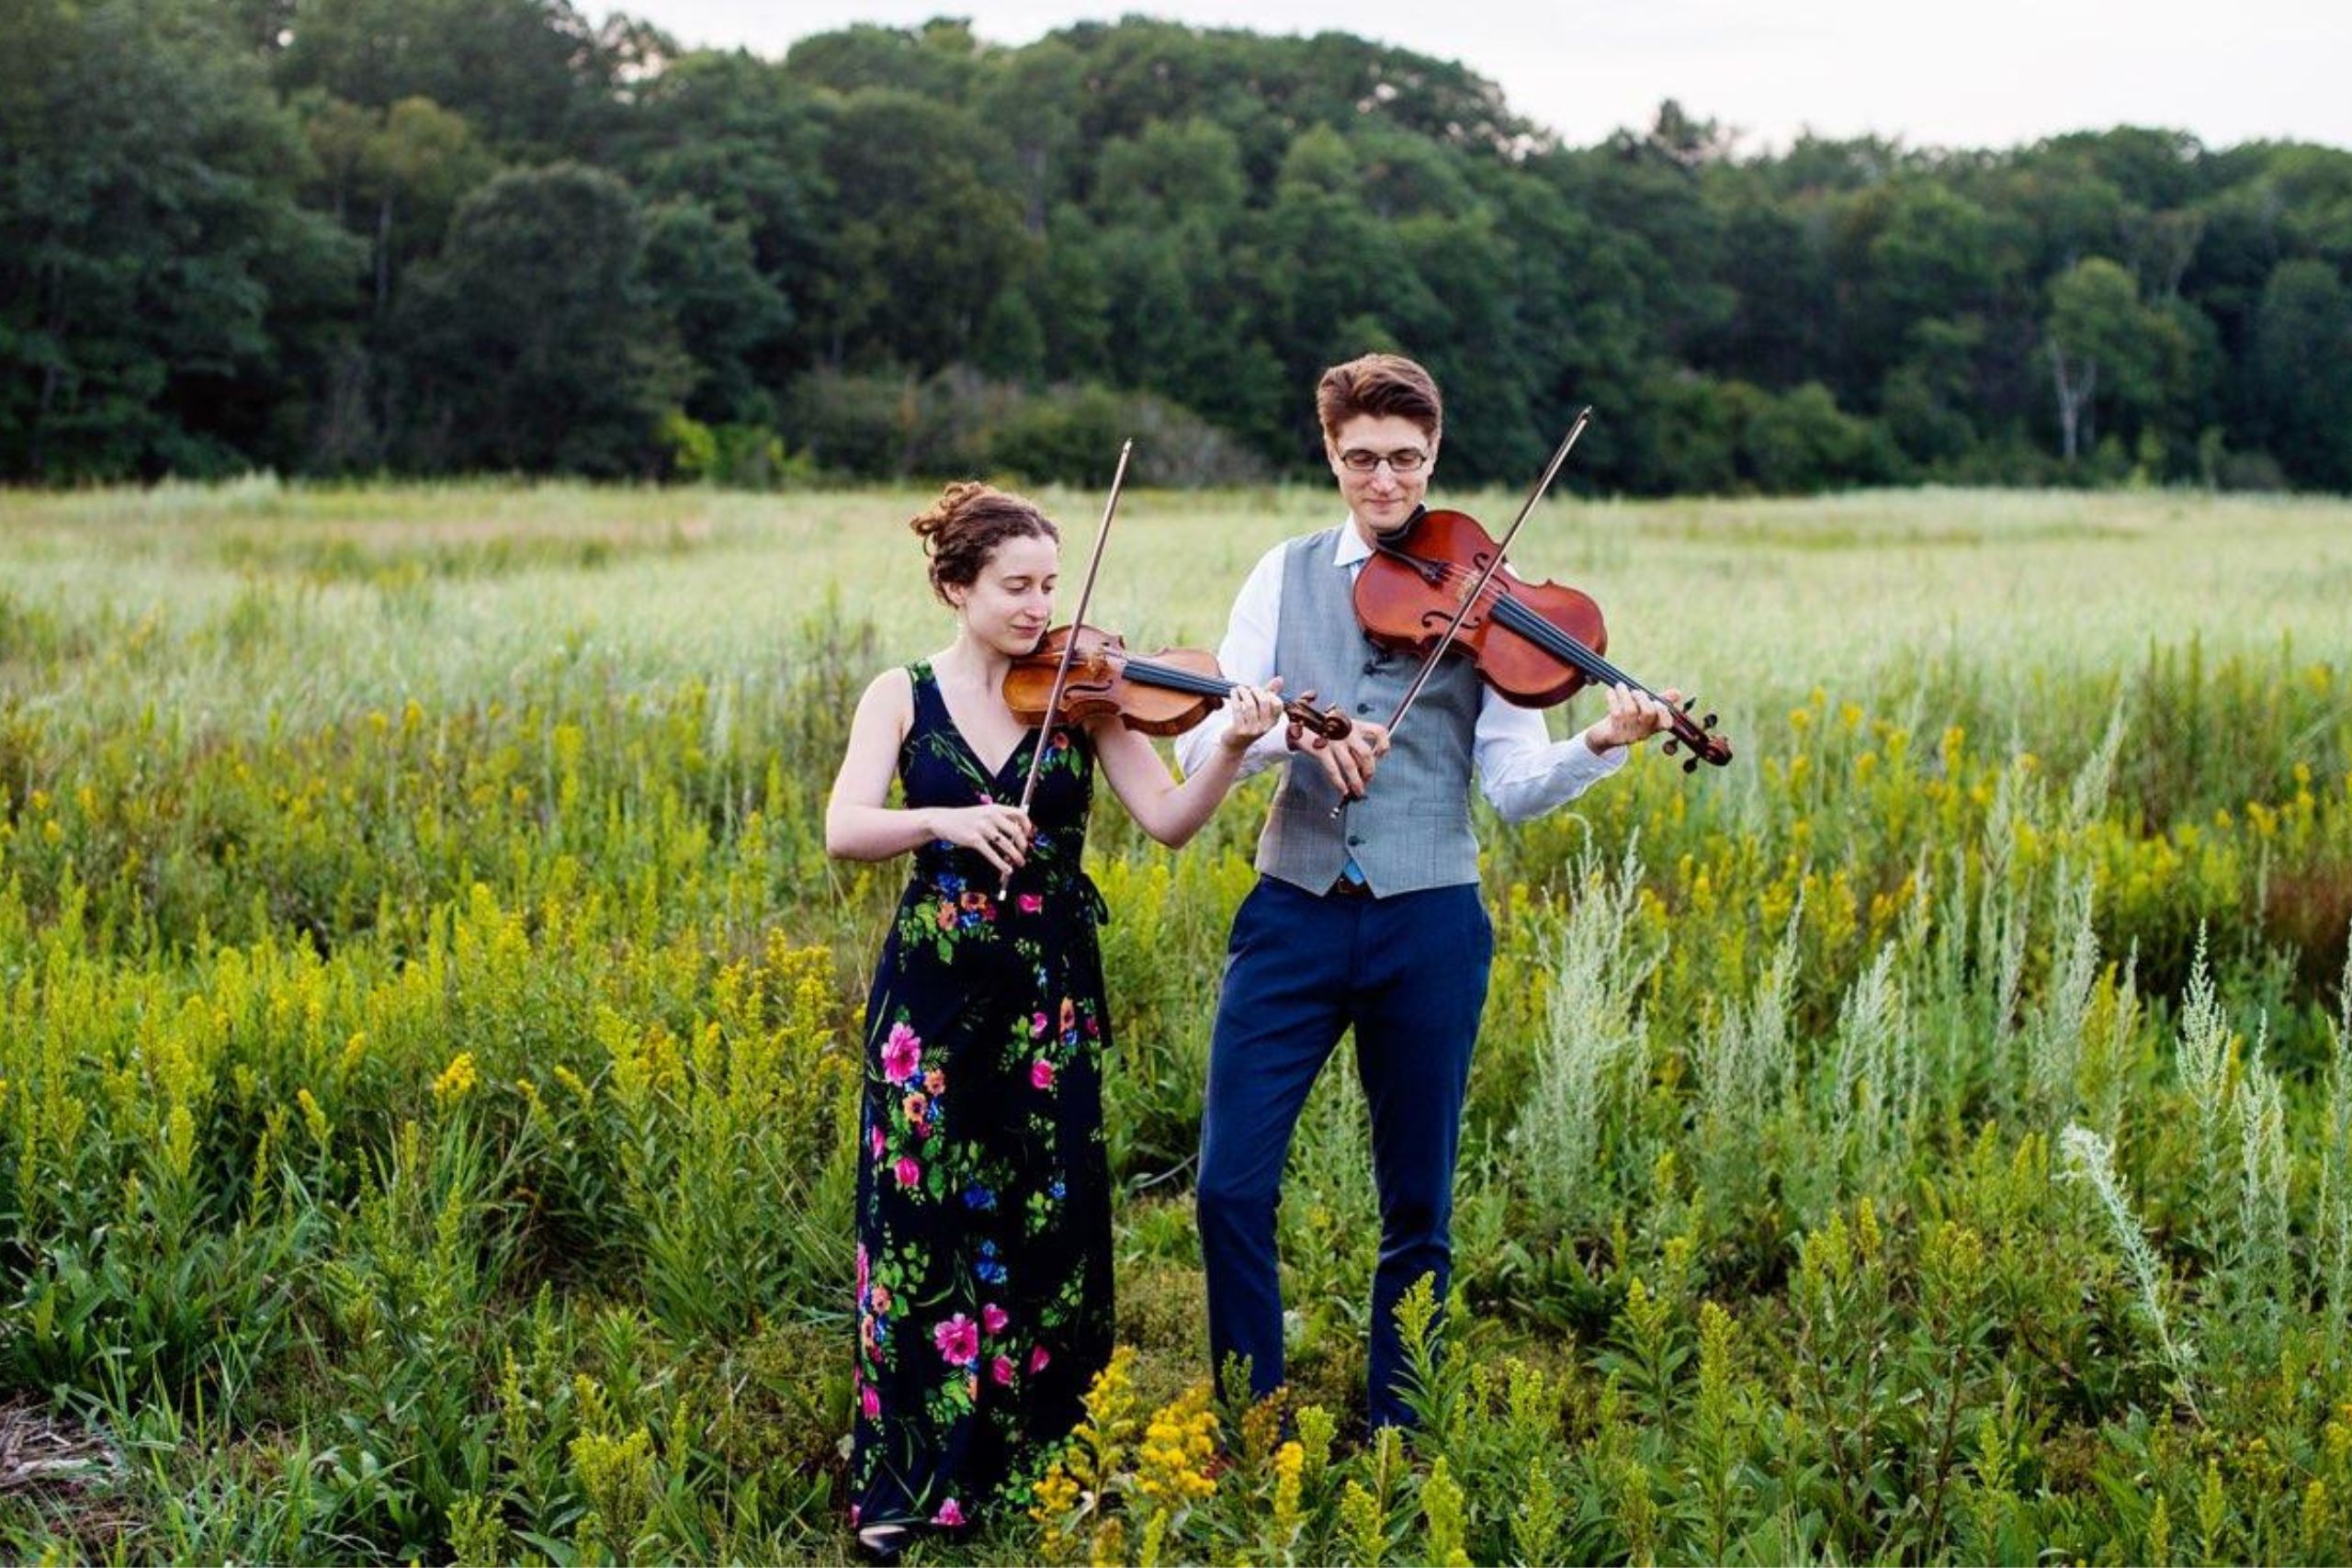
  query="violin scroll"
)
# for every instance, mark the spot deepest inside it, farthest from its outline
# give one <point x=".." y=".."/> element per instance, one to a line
<point x="1697" y="736"/>
<point x="1329" y="723"/>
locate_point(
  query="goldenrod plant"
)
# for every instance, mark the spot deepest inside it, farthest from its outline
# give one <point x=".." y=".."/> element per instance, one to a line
<point x="430" y="1031"/>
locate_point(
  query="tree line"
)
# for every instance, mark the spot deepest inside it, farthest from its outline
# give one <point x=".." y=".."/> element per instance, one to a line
<point x="445" y="236"/>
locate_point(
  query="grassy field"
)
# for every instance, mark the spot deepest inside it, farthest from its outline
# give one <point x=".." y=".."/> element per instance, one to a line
<point x="428" y="1031"/>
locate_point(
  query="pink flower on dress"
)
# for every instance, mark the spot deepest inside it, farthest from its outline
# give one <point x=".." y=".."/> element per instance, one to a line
<point x="870" y="1401"/>
<point x="951" y="1514"/>
<point x="993" y="1318"/>
<point x="874" y="1141"/>
<point x="865" y="1269"/>
<point x="1001" y="1370"/>
<point x="1031" y="903"/>
<point x="934" y="1082"/>
<point x="1038" y="1358"/>
<point x="1036" y="1024"/>
<point x="958" y="1340"/>
<point x="901" y="1053"/>
<point x="1041" y="1074"/>
<point x="907" y="1171"/>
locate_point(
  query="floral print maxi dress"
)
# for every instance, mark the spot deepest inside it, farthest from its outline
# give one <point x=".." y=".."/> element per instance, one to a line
<point x="983" y="1200"/>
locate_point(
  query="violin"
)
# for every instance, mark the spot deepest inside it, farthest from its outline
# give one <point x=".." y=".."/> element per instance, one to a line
<point x="1165" y="692"/>
<point x="1535" y="643"/>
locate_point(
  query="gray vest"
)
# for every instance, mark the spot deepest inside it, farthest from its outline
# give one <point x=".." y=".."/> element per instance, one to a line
<point x="1412" y="829"/>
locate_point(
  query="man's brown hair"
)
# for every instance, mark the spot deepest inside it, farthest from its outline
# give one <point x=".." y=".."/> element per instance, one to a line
<point x="1379" y="385"/>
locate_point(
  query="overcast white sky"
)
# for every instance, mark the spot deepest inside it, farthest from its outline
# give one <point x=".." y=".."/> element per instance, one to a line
<point x="1990" y="74"/>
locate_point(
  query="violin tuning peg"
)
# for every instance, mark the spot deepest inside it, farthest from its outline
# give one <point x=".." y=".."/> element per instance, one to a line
<point x="1689" y="764"/>
<point x="1687" y="702"/>
<point x="1708" y="722"/>
<point x="1670" y="747"/>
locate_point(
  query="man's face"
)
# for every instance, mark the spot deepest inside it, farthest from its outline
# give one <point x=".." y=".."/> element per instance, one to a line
<point x="1397" y="456"/>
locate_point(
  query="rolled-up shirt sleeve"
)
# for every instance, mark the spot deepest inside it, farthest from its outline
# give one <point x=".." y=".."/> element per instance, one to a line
<point x="1521" y="771"/>
<point x="1246" y="655"/>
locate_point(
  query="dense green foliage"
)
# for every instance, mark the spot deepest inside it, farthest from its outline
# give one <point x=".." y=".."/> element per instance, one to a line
<point x="425" y="1120"/>
<point x="451" y="235"/>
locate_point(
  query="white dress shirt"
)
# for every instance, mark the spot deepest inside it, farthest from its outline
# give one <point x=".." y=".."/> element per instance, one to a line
<point x="1522" y="771"/>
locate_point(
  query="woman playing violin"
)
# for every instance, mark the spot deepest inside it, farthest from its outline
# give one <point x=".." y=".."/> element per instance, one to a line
<point x="1368" y="916"/>
<point x="984" y="1202"/>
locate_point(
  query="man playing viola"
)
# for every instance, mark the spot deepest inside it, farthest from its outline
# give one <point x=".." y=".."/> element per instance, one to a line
<point x="1367" y="915"/>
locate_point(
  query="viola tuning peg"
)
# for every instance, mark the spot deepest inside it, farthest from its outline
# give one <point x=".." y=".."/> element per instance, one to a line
<point x="1687" y="702"/>
<point x="1708" y="722"/>
<point x="1670" y="747"/>
<point x="1689" y="764"/>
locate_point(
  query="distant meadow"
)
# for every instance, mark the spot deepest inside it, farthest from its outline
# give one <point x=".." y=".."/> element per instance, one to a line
<point x="367" y="595"/>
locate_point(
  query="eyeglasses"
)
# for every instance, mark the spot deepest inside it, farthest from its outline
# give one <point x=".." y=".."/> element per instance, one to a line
<point x="1405" y="461"/>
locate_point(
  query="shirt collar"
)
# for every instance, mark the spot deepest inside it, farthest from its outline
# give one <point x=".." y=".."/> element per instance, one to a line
<point x="1350" y="549"/>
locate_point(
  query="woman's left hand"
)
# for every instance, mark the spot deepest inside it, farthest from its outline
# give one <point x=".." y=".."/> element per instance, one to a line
<point x="1632" y="715"/>
<point x="1256" y="710"/>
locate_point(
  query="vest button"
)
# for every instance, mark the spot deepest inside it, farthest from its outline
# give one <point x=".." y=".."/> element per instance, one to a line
<point x="1372" y="667"/>
<point x="1364" y="707"/>
<point x="1356" y="840"/>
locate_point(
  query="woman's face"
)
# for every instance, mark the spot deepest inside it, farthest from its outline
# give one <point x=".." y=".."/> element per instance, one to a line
<point x="1010" y="605"/>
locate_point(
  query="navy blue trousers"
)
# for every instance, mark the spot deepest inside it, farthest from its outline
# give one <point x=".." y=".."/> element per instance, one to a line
<point x="1408" y="973"/>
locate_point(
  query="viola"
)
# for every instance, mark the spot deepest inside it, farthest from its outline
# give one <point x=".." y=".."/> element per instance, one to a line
<point x="1535" y="643"/>
<point x="1165" y="692"/>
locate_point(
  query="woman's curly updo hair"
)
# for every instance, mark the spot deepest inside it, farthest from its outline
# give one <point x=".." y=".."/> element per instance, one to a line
<point x="966" y="524"/>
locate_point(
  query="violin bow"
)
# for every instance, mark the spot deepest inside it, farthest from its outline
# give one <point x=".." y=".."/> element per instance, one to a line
<point x="1478" y="587"/>
<point x="1069" y="646"/>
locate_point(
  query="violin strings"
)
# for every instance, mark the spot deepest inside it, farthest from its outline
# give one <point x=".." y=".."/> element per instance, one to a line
<point x="1543" y="633"/>
<point x="1518" y="617"/>
<point x="1448" y="572"/>
<point x="1175" y="679"/>
<point x="1514" y="615"/>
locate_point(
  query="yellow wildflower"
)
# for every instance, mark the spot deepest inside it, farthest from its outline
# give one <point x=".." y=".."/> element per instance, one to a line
<point x="456" y="1079"/>
<point x="1058" y="1509"/>
<point x="1171" y="1464"/>
<point x="1290" y="1460"/>
<point x="312" y="1117"/>
<point x="570" y="1080"/>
